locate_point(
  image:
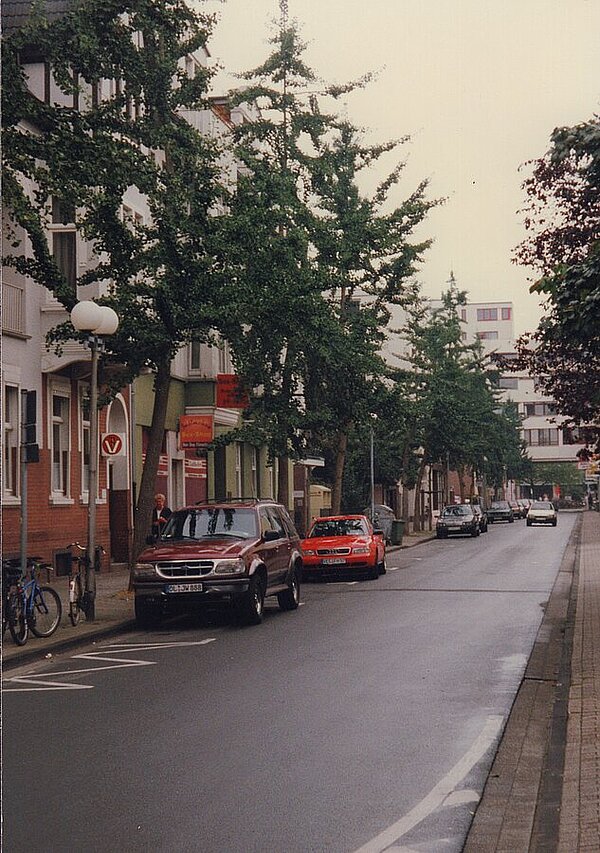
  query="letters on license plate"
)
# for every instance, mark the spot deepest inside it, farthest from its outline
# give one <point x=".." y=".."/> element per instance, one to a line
<point x="183" y="587"/>
<point x="334" y="561"/>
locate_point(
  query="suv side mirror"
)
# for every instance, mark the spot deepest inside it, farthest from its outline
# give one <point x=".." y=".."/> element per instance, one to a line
<point x="271" y="535"/>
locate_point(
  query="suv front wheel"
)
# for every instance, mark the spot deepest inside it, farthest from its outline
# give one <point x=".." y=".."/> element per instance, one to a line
<point x="250" y="605"/>
<point x="290" y="598"/>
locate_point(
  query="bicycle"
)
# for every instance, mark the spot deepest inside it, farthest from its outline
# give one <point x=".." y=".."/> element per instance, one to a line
<point x="29" y="605"/>
<point x="77" y="595"/>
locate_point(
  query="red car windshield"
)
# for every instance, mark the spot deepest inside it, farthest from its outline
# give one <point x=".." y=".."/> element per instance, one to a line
<point x="339" y="527"/>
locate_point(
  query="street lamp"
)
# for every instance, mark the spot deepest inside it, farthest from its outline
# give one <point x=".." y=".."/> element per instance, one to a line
<point x="97" y="321"/>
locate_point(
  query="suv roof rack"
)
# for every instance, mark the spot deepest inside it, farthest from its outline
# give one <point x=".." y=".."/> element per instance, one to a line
<point x="236" y="500"/>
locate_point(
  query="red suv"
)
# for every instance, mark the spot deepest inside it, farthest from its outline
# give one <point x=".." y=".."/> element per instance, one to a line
<point x="236" y="551"/>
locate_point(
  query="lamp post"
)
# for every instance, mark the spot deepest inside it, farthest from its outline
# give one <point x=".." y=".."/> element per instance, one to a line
<point x="97" y="321"/>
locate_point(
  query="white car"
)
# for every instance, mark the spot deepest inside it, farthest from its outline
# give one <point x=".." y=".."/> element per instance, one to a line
<point x="541" y="512"/>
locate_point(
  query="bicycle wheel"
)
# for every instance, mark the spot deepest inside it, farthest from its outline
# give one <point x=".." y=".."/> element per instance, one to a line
<point x="76" y="601"/>
<point x="45" y="611"/>
<point x="17" y="623"/>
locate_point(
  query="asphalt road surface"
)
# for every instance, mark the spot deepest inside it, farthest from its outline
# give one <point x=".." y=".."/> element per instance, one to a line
<point x="367" y="720"/>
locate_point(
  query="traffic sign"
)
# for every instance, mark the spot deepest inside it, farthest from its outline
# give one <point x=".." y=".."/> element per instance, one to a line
<point x="113" y="444"/>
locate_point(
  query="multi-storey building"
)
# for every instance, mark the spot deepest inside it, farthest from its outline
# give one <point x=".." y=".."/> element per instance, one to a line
<point x="57" y="505"/>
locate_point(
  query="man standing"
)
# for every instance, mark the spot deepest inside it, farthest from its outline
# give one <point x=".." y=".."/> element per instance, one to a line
<point x="160" y="514"/>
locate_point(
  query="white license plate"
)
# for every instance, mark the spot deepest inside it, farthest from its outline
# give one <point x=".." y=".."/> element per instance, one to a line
<point x="183" y="587"/>
<point x="334" y="561"/>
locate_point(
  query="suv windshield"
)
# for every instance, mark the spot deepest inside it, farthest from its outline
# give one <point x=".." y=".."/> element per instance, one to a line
<point x="339" y="527"/>
<point x="217" y="521"/>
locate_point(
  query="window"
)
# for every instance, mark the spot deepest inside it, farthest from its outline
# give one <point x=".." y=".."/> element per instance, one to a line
<point x="223" y="357"/>
<point x="61" y="435"/>
<point x="506" y="313"/>
<point x="541" y="437"/>
<point x="13" y="309"/>
<point x="238" y="469"/>
<point x="64" y="239"/>
<point x="485" y="314"/>
<point x="488" y="336"/>
<point x="574" y="435"/>
<point x="540" y="409"/>
<point x="194" y="352"/>
<point x="276" y="521"/>
<point x="84" y="437"/>
<point x="508" y="382"/>
<point x="463" y="314"/>
<point x="10" y="466"/>
<point x="254" y="471"/>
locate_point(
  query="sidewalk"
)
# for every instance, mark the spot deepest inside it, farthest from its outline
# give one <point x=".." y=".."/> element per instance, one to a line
<point x="114" y="612"/>
<point x="542" y="794"/>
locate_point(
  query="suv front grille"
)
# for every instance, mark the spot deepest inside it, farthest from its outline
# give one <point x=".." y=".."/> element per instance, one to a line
<point x="324" y="552"/>
<point x="185" y="568"/>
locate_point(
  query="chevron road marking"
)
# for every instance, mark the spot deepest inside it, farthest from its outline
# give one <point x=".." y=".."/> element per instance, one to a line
<point x="41" y="682"/>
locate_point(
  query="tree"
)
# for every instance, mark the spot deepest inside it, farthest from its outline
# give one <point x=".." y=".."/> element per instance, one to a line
<point x="366" y="259"/>
<point x="563" y="248"/>
<point x="456" y="417"/>
<point x="163" y="276"/>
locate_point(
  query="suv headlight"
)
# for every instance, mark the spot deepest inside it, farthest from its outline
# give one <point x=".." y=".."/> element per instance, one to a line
<point x="144" y="571"/>
<point x="361" y="549"/>
<point x="230" y="567"/>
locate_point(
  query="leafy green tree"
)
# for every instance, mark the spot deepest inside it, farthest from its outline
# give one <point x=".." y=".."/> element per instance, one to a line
<point x="164" y="276"/>
<point x="366" y="258"/>
<point x="457" y="419"/>
<point x="563" y="248"/>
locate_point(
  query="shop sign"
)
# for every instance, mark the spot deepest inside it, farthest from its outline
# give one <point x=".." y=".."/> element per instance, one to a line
<point x="195" y="469"/>
<point x="230" y="392"/>
<point x="195" y="430"/>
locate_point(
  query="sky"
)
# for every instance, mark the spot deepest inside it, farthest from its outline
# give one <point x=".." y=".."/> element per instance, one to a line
<point x="479" y="85"/>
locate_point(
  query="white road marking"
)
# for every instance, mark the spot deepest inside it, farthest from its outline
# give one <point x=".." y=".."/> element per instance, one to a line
<point x="393" y="568"/>
<point x="40" y="682"/>
<point x="460" y="798"/>
<point x="439" y="793"/>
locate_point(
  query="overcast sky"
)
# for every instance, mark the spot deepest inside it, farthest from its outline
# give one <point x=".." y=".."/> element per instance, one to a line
<point x="478" y="84"/>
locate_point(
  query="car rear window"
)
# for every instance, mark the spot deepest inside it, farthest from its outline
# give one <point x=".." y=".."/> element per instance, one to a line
<point x="542" y="505"/>
<point x="211" y="521"/>
<point x="500" y="505"/>
<point x="450" y="511"/>
<point x="339" y="527"/>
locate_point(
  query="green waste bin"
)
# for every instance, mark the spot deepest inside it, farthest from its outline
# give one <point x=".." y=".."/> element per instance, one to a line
<point x="397" y="531"/>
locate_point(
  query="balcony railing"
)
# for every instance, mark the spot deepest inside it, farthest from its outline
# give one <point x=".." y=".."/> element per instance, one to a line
<point x="13" y="309"/>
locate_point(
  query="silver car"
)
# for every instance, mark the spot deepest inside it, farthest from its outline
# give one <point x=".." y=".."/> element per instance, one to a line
<point x="542" y="512"/>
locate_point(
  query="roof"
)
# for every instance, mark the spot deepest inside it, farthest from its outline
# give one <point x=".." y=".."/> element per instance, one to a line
<point x="16" y="13"/>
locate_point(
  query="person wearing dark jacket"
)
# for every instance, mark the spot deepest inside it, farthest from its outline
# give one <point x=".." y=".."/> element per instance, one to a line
<point x="160" y="514"/>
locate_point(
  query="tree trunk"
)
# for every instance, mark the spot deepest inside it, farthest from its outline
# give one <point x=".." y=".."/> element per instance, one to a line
<point x="461" y="482"/>
<point x="283" y="480"/>
<point x="340" y="461"/>
<point x="417" y="524"/>
<point x="145" y="503"/>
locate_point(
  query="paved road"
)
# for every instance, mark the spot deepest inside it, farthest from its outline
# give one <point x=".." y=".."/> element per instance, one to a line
<point x="367" y="720"/>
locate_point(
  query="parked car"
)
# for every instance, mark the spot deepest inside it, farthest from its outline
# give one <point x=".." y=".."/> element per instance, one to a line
<point x="339" y="545"/>
<point x="500" y="511"/>
<point x="457" y="518"/>
<point x="235" y="552"/>
<point x="482" y="515"/>
<point x="517" y="509"/>
<point x="542" y="512"/>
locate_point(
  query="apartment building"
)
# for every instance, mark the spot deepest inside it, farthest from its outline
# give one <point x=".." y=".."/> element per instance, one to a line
<point x="201" y="383"/>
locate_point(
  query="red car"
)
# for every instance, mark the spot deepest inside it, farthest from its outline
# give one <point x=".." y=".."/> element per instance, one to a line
<point x="341" y="545"/>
